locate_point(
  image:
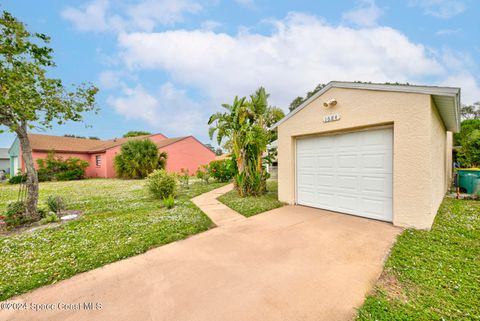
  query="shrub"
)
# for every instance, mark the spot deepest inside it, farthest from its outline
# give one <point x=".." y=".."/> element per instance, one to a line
<point x="50" y="218"/>
<point x="70" y="175"/>
<point x="185" y="177"/>
<point x="203" y="173"/>
<point x="222" y="170"/>
<point x="161" y="184"/>
<point x="138" y="158"/>
<point x="469" y="154"/>
<point x="57" y="168"/>
<point x="42" y="211"/>
<point x="17" y="179"/>
<point x="15" y="214"/>
<point x="56" y="204"/>
<point x="169" y="201"/>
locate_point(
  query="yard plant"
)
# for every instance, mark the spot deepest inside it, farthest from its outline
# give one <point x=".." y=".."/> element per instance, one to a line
<point x="162" y="184"/>
<point x="245" y="128"/>
<point x="57" y="168"/>
<point x="139" y="158"/>
<point x="222" y="170"/>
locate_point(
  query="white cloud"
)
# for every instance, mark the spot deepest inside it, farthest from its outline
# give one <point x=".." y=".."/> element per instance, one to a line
<point x="366" y="14"/>
<point x="301" y="52"/>
<point x="210" y="25"/>
<point x="168" y="109"/>
<point x="110" y="79"/>
<point x="468" y="84"/>
<point x="440" y="8"/>
<point x="98" y="16"/>
<point x="92" y="17"/>
<point x="146" y="14"/>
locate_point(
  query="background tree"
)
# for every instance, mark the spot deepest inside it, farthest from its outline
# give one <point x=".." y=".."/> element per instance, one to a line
<point x="245" y="126"/>
<point x="136" y="133"/>
<point x="300" y="100"/>
<point x="470" y="111"/>
<point x="218" y="151"/>
<point x="139" y="158"/>
<point x="469" y="153"/>
<point x="29" y="98"/>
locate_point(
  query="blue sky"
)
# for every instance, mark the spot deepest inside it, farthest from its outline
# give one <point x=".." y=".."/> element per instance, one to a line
<point x="166" y="65"/>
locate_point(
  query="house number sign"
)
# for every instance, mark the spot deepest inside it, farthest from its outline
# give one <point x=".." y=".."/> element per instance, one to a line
<point x="330" y="118"/>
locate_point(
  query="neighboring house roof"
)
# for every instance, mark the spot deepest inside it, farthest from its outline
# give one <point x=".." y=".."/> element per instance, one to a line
<point x="169" y="141"/>
<point x="447" y="99"/>
<point x="4" y="153"/>
<point x="71" y="144"/>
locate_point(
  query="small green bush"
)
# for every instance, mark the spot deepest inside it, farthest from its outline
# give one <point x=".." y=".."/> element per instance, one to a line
<point x="50" y="218"/>
<point x="56" y="168"/>
<point x="15" y="214"/>
<point x="42" y="211"/>
<point x="17" y="179"/>
<point x="138" y="158"/>
<point x="161" y="184"/>
<point x="169" y="201"/>
<point x="56" y="203"/>
<point x="222" y="170"/>
<point x="185" y="177"/>
<point x="203" y="173"/>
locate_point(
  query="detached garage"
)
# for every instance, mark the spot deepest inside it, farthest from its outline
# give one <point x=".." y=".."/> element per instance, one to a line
<point x="372" y="150"/>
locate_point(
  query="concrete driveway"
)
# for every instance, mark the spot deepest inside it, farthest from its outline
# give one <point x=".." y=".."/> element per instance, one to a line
<point x="292" y="263"/>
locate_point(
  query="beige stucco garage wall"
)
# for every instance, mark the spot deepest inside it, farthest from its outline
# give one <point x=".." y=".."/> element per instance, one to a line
<point x="440" y="161"/>
<point x="415" y="128"/>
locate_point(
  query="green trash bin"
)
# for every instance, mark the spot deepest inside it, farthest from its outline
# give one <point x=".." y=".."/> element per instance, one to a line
<point x="468" y="179"/>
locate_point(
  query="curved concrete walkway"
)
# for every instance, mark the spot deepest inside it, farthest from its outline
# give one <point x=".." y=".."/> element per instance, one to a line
<point x="291" y="263"/>
<point x="218" y="212"/>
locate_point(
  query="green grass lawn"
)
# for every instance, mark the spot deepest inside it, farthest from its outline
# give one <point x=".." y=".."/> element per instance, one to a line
<point x="433" y="275"/>
<point x="120" y="220"/>
<point x="249" y="206"/>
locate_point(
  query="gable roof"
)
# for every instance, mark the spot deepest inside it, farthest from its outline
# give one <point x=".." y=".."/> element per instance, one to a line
<point x="447" y="99"/>
<point x="72" y="144"/>
<point x="169" y="141"/>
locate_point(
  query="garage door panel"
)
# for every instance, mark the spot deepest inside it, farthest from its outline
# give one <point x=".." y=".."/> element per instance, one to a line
<point x="347" y="182"/>
<point x="325" y="161"/>
<point x="352" y="173"/>
<point x="347" y="161"/>
<point x="306" y="162"/>
<point x="377" y="207"/>
<point x="326" y="200"/>
<point x="306" y="196"/>
<point x="348" y="203"/>
<point x="377" y="184"/>
<point x="306" y="180"/>
<point x="377" y="162"/>
<point x="324" y="180"/>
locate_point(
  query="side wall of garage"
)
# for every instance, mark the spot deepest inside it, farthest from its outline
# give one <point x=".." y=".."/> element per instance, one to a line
<point x="441" y="159"/>
<point x="411" y="116"/>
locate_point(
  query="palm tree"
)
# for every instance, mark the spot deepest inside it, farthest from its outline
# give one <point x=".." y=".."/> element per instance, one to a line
<point x="244" y="126"/>
<point x="138" y="158"/>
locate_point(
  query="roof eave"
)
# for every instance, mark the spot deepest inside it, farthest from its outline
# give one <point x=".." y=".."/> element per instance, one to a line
<point x="427" y="90"/>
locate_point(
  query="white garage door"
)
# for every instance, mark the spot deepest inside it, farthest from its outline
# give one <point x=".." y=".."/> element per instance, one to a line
<point x="349" y="173"/>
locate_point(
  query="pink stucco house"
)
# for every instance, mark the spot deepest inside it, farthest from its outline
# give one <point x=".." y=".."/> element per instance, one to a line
<point x="183" y="152"/>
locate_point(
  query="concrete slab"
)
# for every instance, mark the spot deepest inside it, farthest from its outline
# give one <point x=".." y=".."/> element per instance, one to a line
<point x="292" y="263"/>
